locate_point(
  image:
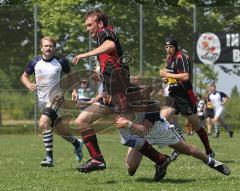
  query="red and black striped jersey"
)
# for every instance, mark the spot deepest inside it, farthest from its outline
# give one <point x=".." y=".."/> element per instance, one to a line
<point x="180" y="63"/>
<point x="115" y="57"/>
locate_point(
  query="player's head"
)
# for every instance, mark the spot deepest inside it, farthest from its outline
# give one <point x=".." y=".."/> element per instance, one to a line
<point x="47" y="45"/>
<point x="95" y="20"/>
<point x="212" y="87"/>
<point x="171" y="45"/>
<point x="83" y="82"/>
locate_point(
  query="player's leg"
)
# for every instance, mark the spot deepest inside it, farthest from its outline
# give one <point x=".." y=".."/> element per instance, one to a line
<point x="142" y="146"/>
<point x="187" y="149"/>
<point x="209" y="125"/>
<point x="194" y="120"/>
<point x="45" y="125"/>
<point x="133" y="160"/>
<point x="61" y="127"/>
<point x="226" y="127"/>
<point x="84" y="123"/>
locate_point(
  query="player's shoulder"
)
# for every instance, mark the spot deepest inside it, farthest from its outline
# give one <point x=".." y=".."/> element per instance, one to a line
<point x="35" y="60"/>
<point x="107" y="32"/>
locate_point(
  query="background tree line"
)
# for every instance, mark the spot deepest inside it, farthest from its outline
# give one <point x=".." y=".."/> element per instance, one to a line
<point x="63" y="19"/>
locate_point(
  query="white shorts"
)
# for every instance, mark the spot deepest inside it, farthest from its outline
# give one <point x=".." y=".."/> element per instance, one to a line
<point x="162" y="135"/>
<point x="218" y="112"/>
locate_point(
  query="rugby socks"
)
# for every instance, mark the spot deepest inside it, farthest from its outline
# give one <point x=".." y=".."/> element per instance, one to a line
<point x="216" y="128"/>
<point x="90" y="139"/>
<point x="48" y="143"/>
<point x="151" y="153"/>
<point x="70" y="138"/>
<point x="204" y="138"/>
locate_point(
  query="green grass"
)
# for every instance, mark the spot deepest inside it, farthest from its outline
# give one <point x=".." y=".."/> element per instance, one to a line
<point x="20" y="156"/>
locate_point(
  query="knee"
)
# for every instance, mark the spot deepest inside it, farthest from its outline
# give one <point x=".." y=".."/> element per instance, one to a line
<point x="44" y="125"/>
<point x="80" y="123"/>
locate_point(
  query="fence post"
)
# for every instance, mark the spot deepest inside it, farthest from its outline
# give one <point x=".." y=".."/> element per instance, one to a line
<point x="141" y="38"/>
<point x="35" y="54"/>
<point x="194" y="44"/>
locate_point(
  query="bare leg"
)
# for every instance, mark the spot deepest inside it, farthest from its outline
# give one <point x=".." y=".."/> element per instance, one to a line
<point x="133" y="160"/>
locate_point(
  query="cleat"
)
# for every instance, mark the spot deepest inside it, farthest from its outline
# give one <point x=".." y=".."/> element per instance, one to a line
<point x="220" y="167"/>
<point x="174" y="155"/>
<point x="231" y="134"/>
<point x="47" y="163"/>
<point x="161" y="170"/>
<point x="92" y="165"/>
<point x="131" y="172"/>
<point x="212" y="154"/>
<point x="78" y="151"/>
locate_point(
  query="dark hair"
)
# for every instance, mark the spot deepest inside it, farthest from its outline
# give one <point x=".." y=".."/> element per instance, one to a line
<point x="170" y="40"/>
<point x="100" y="16"/>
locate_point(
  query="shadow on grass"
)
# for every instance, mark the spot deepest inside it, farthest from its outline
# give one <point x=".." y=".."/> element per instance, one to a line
<point x="166" y="180"/>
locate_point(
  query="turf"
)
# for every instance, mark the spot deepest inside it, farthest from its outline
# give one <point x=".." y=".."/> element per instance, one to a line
<point x="21" y="155"/>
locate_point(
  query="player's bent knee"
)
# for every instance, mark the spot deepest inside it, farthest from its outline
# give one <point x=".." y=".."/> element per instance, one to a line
<point x="50" y="113"/>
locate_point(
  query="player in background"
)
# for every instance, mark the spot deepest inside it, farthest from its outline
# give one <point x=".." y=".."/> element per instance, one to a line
<point x="47" y="70"/>
<point x="209" y="113"/>
<point x="178" y="74"/>
<point x="218" y="100"/>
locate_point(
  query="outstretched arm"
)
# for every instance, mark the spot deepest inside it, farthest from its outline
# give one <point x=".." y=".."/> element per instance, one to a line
<point x="106" y="47"/>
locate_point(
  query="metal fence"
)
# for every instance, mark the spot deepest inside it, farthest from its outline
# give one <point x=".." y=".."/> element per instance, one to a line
<point x="142" y="30"/>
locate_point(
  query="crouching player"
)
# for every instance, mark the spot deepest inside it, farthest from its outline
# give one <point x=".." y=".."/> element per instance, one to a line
<point x="47" y="69"/>
<point x="157" y="131"/>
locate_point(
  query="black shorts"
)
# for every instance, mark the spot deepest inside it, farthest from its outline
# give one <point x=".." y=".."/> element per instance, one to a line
<point x="182" y="105"/>
<point x="209" y="113"/>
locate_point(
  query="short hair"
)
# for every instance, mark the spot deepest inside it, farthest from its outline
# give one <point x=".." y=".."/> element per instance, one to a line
<point x="100" y="16"/>
<point x="49" y="38"/>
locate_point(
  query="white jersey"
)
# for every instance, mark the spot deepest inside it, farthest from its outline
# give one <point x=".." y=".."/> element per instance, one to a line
<point x="216" y="99"/>
<point x="200" y="108"/>
<point x="85" y="94"/>
<point x="47" y="76"/>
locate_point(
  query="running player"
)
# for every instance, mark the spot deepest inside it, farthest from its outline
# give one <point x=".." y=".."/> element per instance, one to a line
<point x="218" y="100"/>
<point x="178" y="74"/>
<point x="47" y="70"/>
<point x="114" y="72"/>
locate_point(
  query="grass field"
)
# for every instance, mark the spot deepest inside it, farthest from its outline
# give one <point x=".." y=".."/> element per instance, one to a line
<point x="21" y="155"/>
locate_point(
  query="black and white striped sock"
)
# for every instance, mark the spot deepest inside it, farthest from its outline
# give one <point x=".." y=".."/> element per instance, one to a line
<point x="70" y="138"/>
<point x="48" y="143"/>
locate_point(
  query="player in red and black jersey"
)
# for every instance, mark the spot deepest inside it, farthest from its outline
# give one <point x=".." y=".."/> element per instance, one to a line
<point x="114" y="73"/>
<point x="178" y="74"/>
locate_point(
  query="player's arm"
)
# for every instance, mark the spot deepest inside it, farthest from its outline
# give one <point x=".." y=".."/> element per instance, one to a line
<point x="25" y="79"/>
<point x="182" y="76"/>
<point x="124" y="122"/>
<point x="106" y="47"/>
<point x="225" y="98"/>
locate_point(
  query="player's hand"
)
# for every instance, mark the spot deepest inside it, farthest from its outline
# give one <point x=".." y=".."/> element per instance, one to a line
<point x="107" y="99"/>
<point x="121" y="122"/>
<point x="32" y="87"/>
<point x="163" y="73"/>
<point x="74" y="95"/>
<point x="76" y="59"/>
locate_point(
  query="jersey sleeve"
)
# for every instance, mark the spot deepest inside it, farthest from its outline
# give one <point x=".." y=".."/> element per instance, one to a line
<point x="65" y="66"/>
<point x="223" y="95"/>
<point x="31" y="66"/>
<point x="106" y="34"/>
<point x="183" y="63"/>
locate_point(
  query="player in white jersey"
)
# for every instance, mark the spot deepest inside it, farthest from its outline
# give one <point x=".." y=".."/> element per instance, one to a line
<point x="47" y="70"/>
<point x="157" y="131"/>
<point x="218" y="100"/>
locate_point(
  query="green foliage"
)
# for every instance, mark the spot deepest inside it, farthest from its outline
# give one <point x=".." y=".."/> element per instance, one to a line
<point x="232" y="107"/>
<point x="17" y="105"/>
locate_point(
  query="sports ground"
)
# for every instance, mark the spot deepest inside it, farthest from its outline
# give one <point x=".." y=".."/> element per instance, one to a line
<point x="21" y="155"/>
